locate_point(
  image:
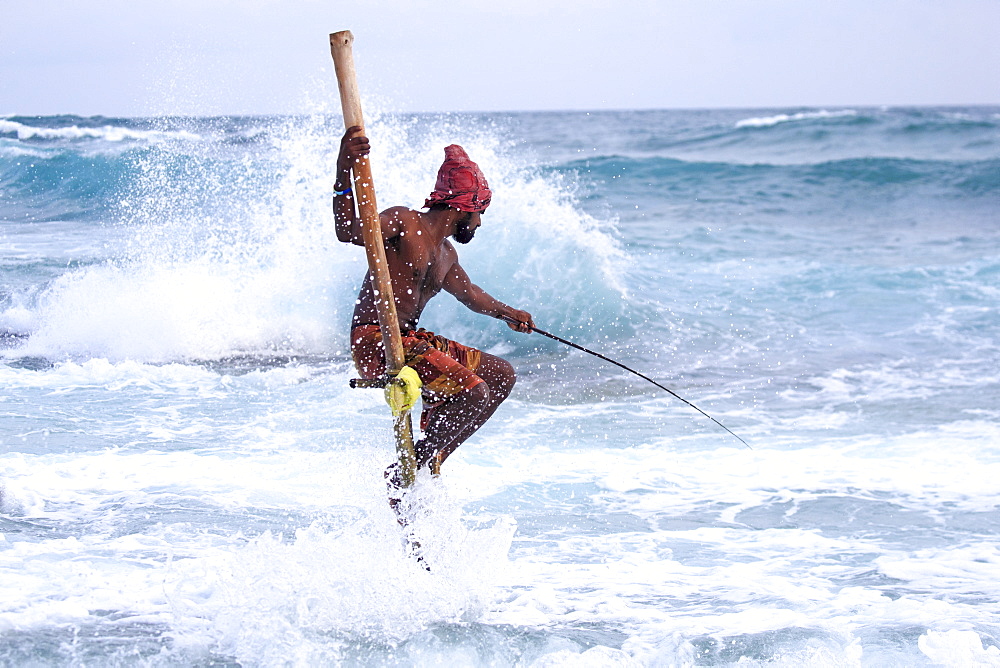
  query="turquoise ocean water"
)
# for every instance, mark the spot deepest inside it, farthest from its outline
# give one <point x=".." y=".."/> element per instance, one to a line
<point x="186" y="478"/>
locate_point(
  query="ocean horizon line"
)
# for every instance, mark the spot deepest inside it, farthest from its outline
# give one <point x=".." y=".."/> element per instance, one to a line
<point x="604" y="110"/>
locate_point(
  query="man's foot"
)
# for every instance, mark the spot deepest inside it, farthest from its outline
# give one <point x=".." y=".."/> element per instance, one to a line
<point x="394" y="485"/>
<point x="433" y="459"/>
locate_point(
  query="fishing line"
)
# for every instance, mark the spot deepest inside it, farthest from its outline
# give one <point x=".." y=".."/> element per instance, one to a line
<point x="619" y="364"/>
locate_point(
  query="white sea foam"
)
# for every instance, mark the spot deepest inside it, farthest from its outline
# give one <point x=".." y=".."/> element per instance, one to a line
<point x="653" y="575"/>
<point x="275" y="598"/>
<point x="900" y="379"/>
<point x="10" y="149"/>
<point x="265" y="272"/>
<point x="533" y="225"/>
<point x="262" y="599"/>
<point x="956" y="648"/>
<point x="595" y="657"/>
<point x="178" y="311"/>
<point x="67" y="376"/>
<point x="242" y="518"/>
<point x="345" y="579"/>
<point x="16" y="502"/>
<point x="769" y="121"/>
<point x="109" y="133"/>
<point x="957" y="570"/>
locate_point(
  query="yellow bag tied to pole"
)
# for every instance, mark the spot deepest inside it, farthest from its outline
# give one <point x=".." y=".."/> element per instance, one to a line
<point x="403" y="391"/>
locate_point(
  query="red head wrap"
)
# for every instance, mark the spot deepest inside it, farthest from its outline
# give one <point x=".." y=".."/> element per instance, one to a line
<point x="460" y="183"/>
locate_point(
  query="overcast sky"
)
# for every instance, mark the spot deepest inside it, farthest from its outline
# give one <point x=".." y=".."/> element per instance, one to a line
<point x="140" y="58"/>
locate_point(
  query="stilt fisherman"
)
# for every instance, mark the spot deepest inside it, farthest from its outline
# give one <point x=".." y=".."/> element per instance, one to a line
<point x="461" y="386"/>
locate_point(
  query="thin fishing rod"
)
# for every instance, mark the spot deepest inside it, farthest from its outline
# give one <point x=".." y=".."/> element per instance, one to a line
<point x="619" y="364"/>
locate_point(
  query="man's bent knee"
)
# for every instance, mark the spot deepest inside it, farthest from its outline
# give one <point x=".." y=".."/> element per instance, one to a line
<point x="512" y="375"/>
<point x="479" y="394"/>
<point x="506" y="376"/>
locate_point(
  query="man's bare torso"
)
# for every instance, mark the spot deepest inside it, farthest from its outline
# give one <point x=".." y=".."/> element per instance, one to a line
<point x="418" y="263"/>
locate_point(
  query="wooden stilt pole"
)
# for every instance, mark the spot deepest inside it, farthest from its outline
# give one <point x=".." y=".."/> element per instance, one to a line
<point x="364" y="189"/>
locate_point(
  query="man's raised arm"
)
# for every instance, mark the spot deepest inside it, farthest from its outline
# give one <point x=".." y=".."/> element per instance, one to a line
<point x="353" y="146"/>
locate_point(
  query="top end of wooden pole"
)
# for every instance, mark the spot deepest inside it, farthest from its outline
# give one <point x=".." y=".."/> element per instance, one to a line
<point x="342" y="38"/>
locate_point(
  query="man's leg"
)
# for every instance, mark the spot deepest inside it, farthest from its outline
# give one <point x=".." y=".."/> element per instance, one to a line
<point x="452" y="423"/>
<point x="449" y="420"/>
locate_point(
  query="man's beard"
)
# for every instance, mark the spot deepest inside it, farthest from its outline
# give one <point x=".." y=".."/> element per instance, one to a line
<point x="463" y="234"/>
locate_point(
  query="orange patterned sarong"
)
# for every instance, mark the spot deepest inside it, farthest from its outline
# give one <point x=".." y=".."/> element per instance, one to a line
<point x="444" y="366"/>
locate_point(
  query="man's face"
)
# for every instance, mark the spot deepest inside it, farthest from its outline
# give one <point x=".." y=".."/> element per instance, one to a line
<point x="466" y="227"/>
